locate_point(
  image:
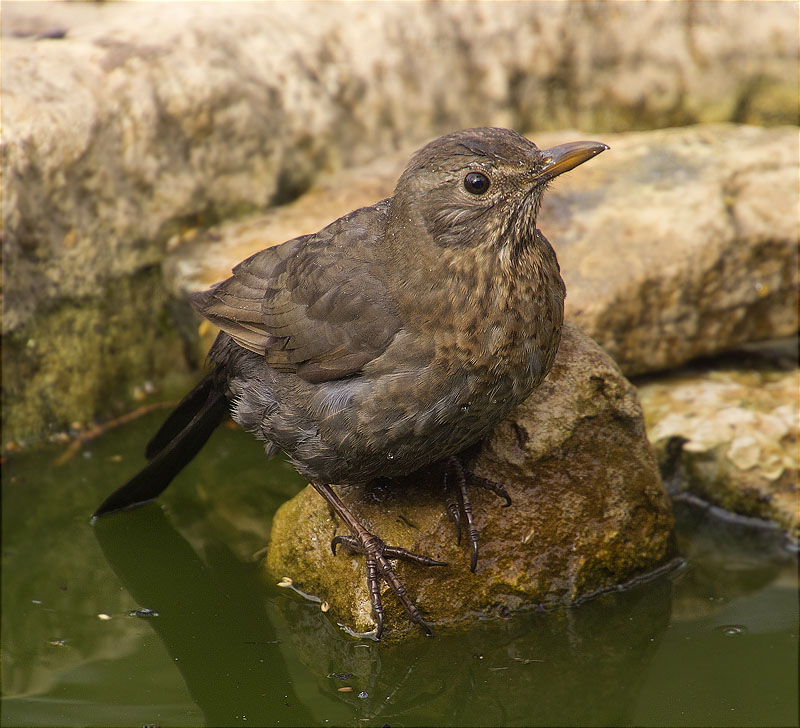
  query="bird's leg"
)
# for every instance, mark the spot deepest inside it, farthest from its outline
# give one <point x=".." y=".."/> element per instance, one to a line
<point x="376" y="555"/>
<point x="454" y="472"/>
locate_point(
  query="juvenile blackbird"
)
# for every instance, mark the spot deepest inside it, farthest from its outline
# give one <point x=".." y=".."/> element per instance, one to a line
<point x="391" y="340"/>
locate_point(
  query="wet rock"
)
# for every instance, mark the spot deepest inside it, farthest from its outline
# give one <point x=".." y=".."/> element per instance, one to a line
<point x="726" y="432"/>
<point x="126" y="125"/>
<point x="589" y="511"/>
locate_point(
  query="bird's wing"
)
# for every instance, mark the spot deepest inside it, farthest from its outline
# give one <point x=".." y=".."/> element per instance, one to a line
<point x="314" y="305"/>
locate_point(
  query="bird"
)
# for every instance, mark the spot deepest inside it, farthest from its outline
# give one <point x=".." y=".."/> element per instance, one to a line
<point x="390" y="341"/>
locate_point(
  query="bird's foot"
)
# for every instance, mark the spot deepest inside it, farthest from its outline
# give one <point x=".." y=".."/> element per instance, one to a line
<point x="455" y="473"/>
<point x="377" y="555"/>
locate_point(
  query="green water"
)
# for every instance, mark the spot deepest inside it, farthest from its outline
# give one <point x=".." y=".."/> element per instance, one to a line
<point x="714" y="643"/>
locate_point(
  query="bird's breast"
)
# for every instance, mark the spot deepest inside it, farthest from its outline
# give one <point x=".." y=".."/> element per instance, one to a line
<point x="495" y="324"/>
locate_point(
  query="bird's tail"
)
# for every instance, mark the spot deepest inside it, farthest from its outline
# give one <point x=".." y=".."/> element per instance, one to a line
<point x="178" y="440"/>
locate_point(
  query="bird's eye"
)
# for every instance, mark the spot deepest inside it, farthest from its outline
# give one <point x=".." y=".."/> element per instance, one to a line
<point x="476" y="183"/>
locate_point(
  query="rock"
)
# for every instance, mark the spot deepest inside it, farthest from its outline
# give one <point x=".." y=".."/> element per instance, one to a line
<point x="589" y="512"/>
<point x="676" y="244"/>
<point x="681" y="243"/>
<point x="90" y="357"/>
<point x="128" y="124"/>
<point x="726" y="432"/>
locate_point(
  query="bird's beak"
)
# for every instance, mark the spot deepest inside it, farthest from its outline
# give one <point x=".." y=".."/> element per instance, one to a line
<point x="565" y="157"/>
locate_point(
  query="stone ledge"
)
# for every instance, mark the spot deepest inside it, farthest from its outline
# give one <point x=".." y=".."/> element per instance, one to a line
<point x="145" y="117"/>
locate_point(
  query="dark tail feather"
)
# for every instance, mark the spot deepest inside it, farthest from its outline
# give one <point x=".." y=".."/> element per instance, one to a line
<point x="180" y="417"/>
<point x="180" y="438"/>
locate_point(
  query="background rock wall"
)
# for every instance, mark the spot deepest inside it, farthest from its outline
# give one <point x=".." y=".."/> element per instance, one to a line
<point x="124" y="124"/>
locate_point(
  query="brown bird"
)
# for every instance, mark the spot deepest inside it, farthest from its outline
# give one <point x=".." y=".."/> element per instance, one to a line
<point x="391" y="340"/>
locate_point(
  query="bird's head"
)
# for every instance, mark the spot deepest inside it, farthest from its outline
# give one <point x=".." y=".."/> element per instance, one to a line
<point x="482" y="187"/>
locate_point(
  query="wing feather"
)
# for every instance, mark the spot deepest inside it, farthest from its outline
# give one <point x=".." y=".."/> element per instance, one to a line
<point x="315" y="305"/>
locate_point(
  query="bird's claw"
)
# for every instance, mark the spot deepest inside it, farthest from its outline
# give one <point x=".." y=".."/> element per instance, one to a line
<point x="346" y="541"/>
<point x="455" y="517"/>
<point x="377" y="555"/>
<point x="454" y="472"/>
<point x="497" y="488"/>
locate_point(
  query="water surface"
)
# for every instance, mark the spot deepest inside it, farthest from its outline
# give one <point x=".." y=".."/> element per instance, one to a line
<point x="713" y="643"/>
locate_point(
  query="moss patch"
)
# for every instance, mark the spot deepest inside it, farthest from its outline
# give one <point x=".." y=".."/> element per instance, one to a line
<point x="83" y="361"/>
